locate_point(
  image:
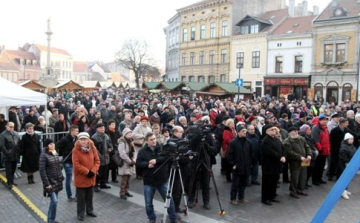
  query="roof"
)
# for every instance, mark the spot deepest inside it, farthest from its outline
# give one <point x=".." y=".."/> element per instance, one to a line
<point x="106" y="84"/>
<point x="249" y="17"/>
<point x="6" y="63"/>
<point x="91" y="84"/>
<point x="62" y="84"/>
<point x="31" y="81"/>
<point x="275" y="17"/>
<point x="196" y="86"/>
<point x="151" y="85"/>
<point x="352" y="7"/>
<point x="295" y="25"/>
<point x="52" y="50"/>
<point x="79" y="67"/>
<point x="195" y="4"/>
<point x="230" y="88"/>
<point x="21" y="54"/>
<point x="96" y="76"/>
<point x="104" y="67"/>
<point x="172" y="85"/>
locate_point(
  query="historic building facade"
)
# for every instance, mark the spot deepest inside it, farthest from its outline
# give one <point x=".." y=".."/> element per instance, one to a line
<point x="172" y="32"/>
<point x="335" y="62"/>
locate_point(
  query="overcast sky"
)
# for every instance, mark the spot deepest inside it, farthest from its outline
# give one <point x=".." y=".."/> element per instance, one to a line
<point x="92" y="30"/>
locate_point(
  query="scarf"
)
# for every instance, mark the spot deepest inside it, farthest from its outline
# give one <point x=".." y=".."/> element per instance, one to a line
<point x="85" y="149"/>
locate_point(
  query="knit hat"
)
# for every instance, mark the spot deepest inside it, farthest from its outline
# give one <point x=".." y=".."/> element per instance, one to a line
<point x="268" y="126"/>
<point x="47" y="142"/>
<point x="99" y="125"/>
<point x="239" y="128"/>
<point x="302" y="115"/>
<point x="144" y="118"/>
<point x="348" y="136"/>
<point x="304" y="127"/>
<point x="292" y="128"/>
<point x="251" y="118"/>
<point x="83" y="135"/>
<point x="126" y="131"/>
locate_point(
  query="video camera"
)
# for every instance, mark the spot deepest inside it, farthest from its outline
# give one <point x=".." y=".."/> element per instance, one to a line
<point x="177" y="148"/>
<point x="198" y="132"/>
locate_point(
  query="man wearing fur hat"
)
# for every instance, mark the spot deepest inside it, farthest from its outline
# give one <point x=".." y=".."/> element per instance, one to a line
<point x="104" y="146"/>
<point x="298" y="153"/>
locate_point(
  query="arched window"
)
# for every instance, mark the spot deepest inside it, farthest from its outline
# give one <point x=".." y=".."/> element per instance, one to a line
<point x="201" y="79"/>
<point x="222" y="78"/>
<point x="211" y="79"/>
<point x="346" y="95"/>
<point x="191" y="79"/>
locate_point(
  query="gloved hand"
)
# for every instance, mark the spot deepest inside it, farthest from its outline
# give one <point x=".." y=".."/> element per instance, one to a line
<point x="90" y="174"/>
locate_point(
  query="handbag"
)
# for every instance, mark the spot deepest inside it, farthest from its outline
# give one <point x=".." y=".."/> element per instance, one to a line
<point x="117" y="159"/>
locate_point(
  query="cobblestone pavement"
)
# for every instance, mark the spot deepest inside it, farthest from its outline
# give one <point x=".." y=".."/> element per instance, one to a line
<point x="110" y="208"/>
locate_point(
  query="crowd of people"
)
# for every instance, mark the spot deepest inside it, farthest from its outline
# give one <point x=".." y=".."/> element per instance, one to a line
<point x="289" y="138"/>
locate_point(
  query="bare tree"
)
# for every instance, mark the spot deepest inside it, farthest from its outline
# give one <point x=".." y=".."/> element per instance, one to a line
<point x="134" y="55"/>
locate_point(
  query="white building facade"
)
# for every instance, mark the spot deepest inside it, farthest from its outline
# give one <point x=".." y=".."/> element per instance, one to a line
<point x="172" y="32"/>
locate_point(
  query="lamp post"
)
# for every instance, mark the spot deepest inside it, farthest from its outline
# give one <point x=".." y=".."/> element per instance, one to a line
<point x="239" y="65"/>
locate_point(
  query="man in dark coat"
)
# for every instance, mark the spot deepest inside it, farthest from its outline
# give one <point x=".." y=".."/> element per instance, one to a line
<point x="14" y="118"/>
<point x="255" y="157"/>
<point x="3" y="123"/>
<point x="239" y="156"/>
<point x="273" y="155"/>
<point x="64" y="148"/>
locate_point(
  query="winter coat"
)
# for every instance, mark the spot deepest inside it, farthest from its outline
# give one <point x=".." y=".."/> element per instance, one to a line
<point x="64" y="147"/>
<point x="155" y="120"/>
<point x="321" y="137"/>
<point x="142" y="162"/>
<point x="83" y="163"/>
<point x="124" y="152"/>
<point x="50" y="171"/>
<point x="272" y="151"/>
<point x="9" y="145"/>
<point x="295" y="149"/>
<point x="311" y="143"/>
<point x="30" y="148"/>
<point x="239" y="155"/>
<point x="347" y="151"/>
<point x="331" y="125"/>
<point x="141" y="130"/>
<point x="336" y="137"/>
<point x="102" y="144"/>
<point x="228" y="135"/>
<point x="255" y="145"/>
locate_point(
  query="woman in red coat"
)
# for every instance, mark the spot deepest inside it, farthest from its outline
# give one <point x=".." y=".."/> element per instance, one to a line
<point x="228" y="134"/>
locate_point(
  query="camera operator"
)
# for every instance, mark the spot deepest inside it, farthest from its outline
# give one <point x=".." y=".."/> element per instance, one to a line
<point x="177" y="135"/>
<point x="200" y="136"/>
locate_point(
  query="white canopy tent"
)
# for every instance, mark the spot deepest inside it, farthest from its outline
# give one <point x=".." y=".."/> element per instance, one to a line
<point x="12" y="94"/>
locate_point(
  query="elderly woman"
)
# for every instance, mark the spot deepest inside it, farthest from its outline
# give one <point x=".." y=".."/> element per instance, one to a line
<point x="305" y="131"/>
<point x="30" y="149"/>
<point x="127" y="154"/>
<point x="228" y="134"/>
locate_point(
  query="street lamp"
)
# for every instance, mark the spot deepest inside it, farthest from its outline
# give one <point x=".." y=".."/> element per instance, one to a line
<point x="239" y="66"/>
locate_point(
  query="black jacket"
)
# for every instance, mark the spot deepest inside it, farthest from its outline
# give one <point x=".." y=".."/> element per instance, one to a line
<point x="347" y="151"/>
<point x="142" y="162"/>
<point x="65" y="146"/>
<point x="50" y="171"/>
<point x="255" y="145"/>
<point x="30" y="148"/>
<point x="239" y="155"/>
<point x="336" y="137"/>
<point x="272" y="151"/>
<point x="10" y="145"/>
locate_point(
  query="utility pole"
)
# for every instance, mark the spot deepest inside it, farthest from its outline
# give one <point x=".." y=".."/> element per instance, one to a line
<point x="239" y="65"/>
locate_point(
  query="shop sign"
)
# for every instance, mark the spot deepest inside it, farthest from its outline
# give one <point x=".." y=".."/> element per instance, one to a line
<point x="286" y="81"/>
<point x="300" y="81"/>
<point x="273" y="81"/>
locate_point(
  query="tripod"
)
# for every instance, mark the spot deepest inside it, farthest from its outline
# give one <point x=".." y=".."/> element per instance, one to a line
<point x="174" y="168"/>
<point x="201" y="163"/>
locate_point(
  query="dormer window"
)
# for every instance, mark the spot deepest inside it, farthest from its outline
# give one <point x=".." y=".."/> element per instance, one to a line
<point x="28" y="62"/>
<point x="254" y="29"/>
<point x="34" y="62"/>
<point x="244" y="30"/>
<point x="250" y="29"/>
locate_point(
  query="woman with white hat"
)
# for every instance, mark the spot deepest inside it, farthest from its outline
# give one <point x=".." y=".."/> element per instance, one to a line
<point x="347" y="151"/>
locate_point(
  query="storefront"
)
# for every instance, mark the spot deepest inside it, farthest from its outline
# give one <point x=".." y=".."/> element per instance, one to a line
<point x="283" y="86"/>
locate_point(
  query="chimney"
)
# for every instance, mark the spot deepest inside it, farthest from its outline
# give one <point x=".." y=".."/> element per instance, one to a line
<point x="305" y="11"/>
<point x="315" y="10"/>
<point x="291" y="8"/>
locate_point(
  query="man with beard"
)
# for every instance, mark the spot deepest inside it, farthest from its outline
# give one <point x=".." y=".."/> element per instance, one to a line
<point x="298" y="152"/>
<point x="273" y="155"/>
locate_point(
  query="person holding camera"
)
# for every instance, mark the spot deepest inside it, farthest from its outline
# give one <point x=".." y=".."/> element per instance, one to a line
<point x="86" y="164"/>
<point x="149" y="161"/>
<point x="51" y="176"/>
<point x="203" y="141"/>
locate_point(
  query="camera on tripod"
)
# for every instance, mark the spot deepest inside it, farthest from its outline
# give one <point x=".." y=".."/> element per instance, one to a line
<point x="177" y="148"/>
<point x="197" y="134"/>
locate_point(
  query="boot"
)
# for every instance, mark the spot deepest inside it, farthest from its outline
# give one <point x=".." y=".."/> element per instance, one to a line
<point x="32" y="179"/>
<point x="29" y="180"/>
<point x="345" y="195"/>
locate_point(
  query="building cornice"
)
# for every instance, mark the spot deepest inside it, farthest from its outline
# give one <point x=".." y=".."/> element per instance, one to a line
<point x="202" y="5"/>
<point x="205" y="46"/>
<point x="290" y="36"/>
<point x="248" y="36"/>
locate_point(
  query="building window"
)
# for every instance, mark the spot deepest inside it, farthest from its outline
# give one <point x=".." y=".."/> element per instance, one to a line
<point x="184" y="59"/>
<point x="224" y="28"/>
<point x="212" y="30"/>
<point x="201" y="57"/>
<point x="279" y="45"/>
<point x="256" y="59"/>
<point x="239" y="59"/>
<point x="278" y="64"/>
<point x="244" y="30"/>
<point x="183" y="78"/>
<point x="192" y="58"/>
<point x="185" y="35"/>
<point x="193" y="32"/>
<point x="254" y="29"/>
<point x="212" y="57"/>
<point x="328" y="53"/>
<point x="222" y="78"/>
<point x="201" y="79"/>
<point x="202" y="32"/>
<point x="340" y="52"/>
<point x="298" y="64"/>
<point x="191" y="79"/>
<point x="223" y="56"/>
<point x="211" y="79"/>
